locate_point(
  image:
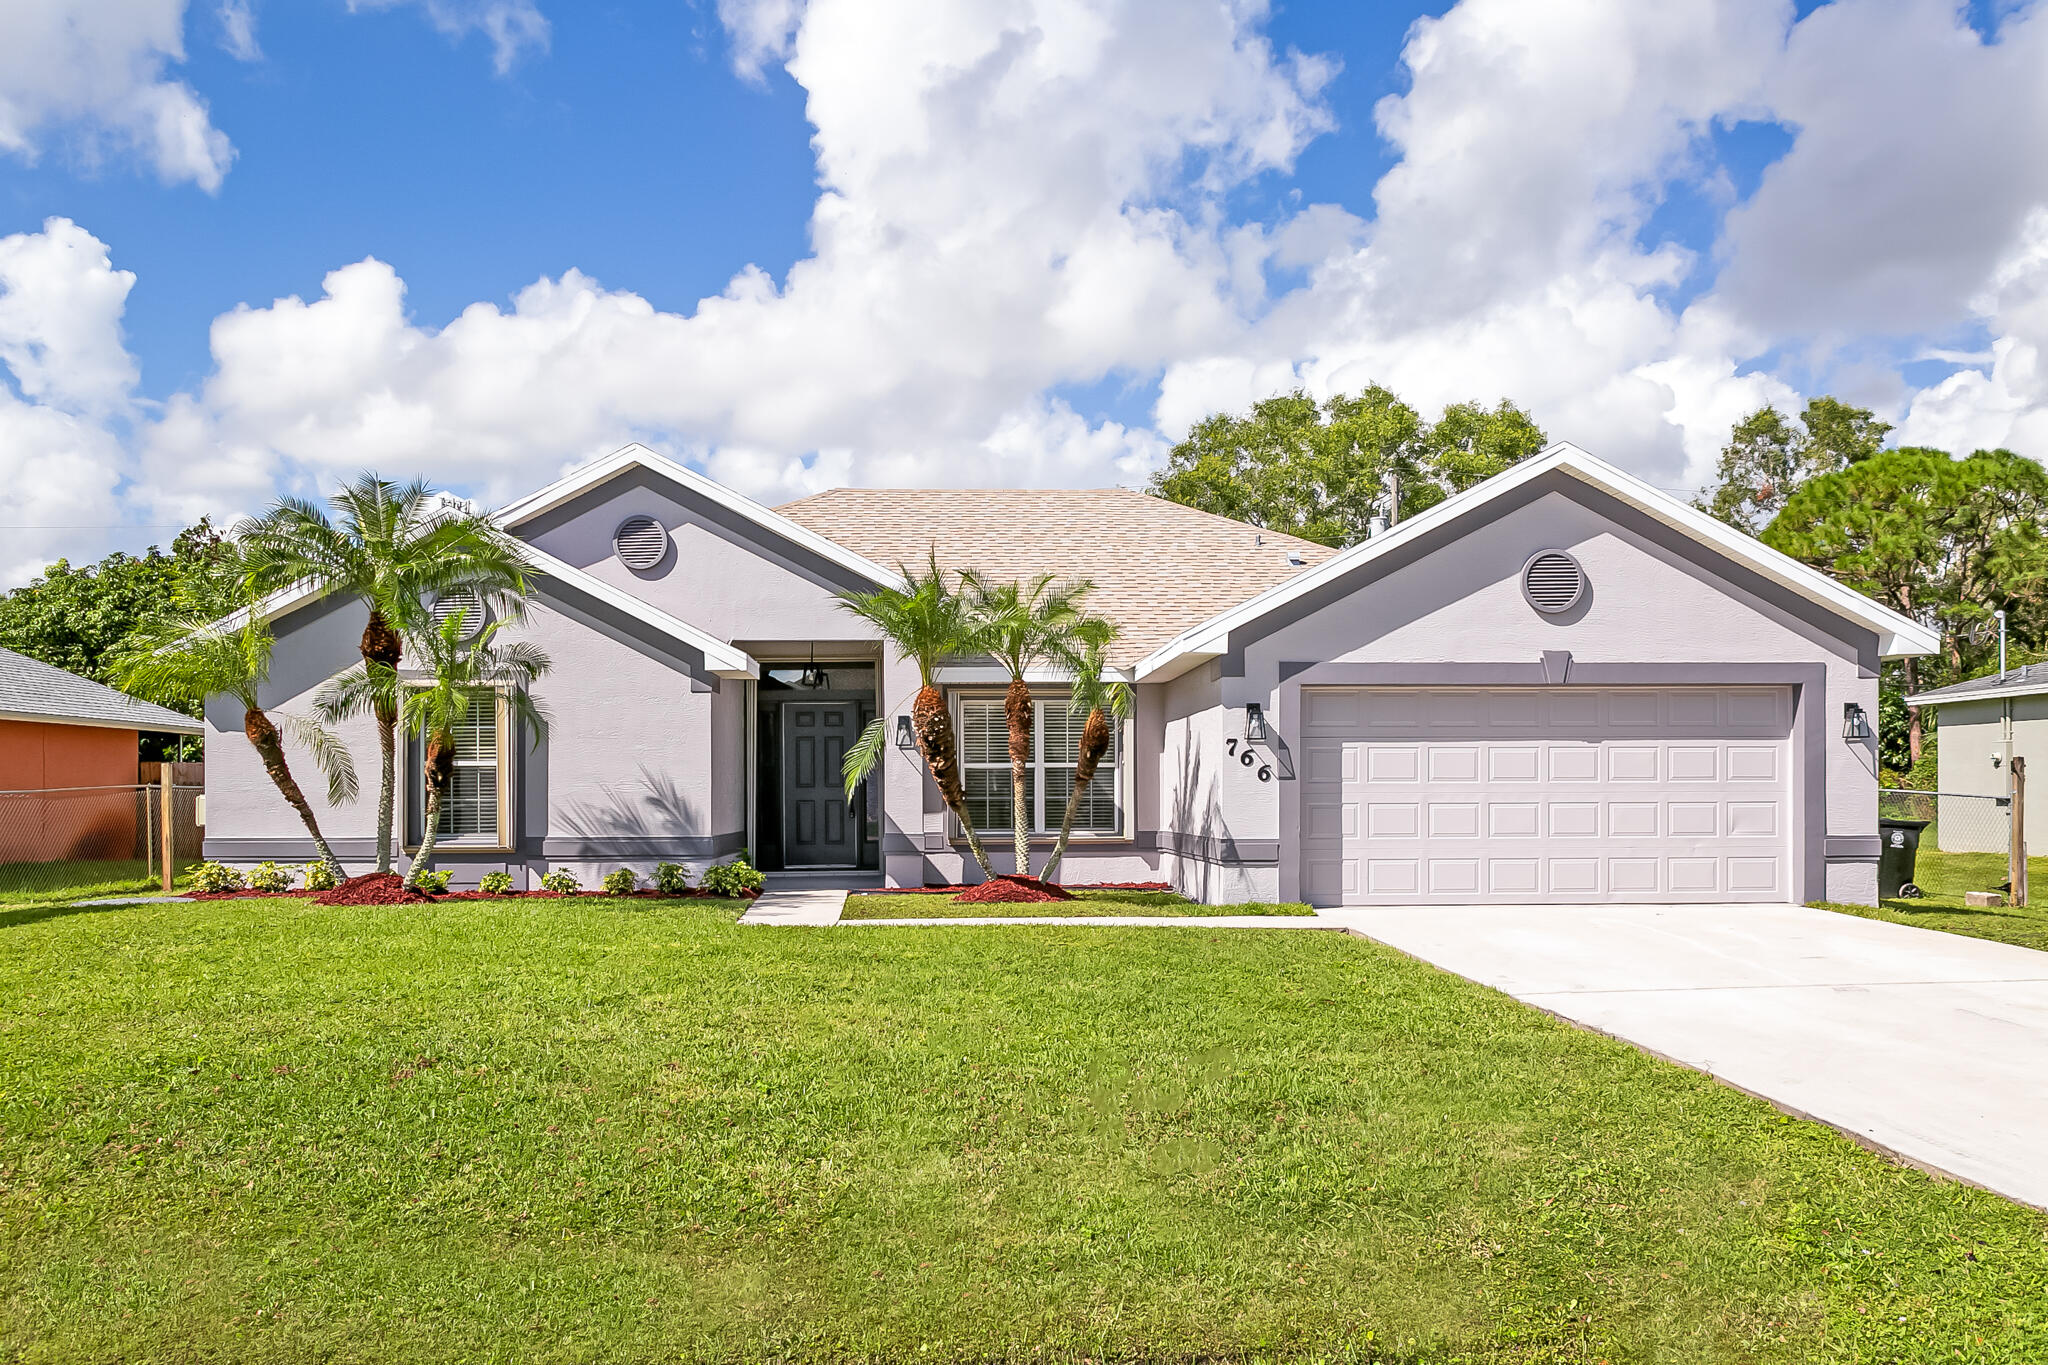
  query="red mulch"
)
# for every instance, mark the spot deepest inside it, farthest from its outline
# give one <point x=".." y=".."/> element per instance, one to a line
<point x="388" y="888"/>
<point x="1013" y="891"/>
<point x="372" y="888"/>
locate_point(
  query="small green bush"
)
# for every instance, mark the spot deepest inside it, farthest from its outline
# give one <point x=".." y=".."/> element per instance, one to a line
<point x="429" y="880"/>
<point x="494" y="883"/>
<point x="730" y="879"/>
<point x="216" y="877"/>
<point x="270" y="876"/>
<point x="562" y="880"/>
<point x="671" y="879"/>
<point x="318" y="876"/>
<point x="620" y="882"/>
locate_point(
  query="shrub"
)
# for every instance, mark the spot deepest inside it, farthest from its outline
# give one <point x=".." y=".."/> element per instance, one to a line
<point x="429" y="881"/>
<point x="212" y="878"/>
<point x="671" y="879"/>
<point x="269" y="876"/>
<point x="620" y="882"/>
<point x="733" y="878"/>
<point x="562" y="880"/>
<point x="318" y="876"/>
<point x="494" y="883"/>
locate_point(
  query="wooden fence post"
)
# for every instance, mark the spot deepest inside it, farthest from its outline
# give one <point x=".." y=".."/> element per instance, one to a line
<point x="2016" y="860"/>
<point x="164" y="843"/>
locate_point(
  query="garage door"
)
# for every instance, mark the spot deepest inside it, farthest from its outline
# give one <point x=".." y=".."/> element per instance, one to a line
<point x="1415" y="795"/>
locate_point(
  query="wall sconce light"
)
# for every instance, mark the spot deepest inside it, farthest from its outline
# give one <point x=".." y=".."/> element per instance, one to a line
<point x="904" y="739"/>
<point x="1855" y="724"/>
<point x="1254" y="723"/>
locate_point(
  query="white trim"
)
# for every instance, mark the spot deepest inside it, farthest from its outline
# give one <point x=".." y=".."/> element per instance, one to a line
<point x="577" y="482"/>
<point x="190" y="726"/>
<point x="1038" y="675"/>
<point x="1934" y="697"/>
<point x="1898" y="636"/>
<point x="721" y="658"/>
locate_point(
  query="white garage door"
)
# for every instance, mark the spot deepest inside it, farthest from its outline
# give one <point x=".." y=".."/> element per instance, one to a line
<point x="1419" y="795"/>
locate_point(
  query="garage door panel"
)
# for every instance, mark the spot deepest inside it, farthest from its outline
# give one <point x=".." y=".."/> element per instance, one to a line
<point x="1548" y="794"/>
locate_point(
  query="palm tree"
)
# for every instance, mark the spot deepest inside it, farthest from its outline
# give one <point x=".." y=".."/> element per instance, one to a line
<point x="392" y="545"/>
<point x="181" y="659"/>
<point x="926" y="621"/>
<point x="466" y="669"/>
<point x="1104" y="702"/>
<point x="1021" y="625"/>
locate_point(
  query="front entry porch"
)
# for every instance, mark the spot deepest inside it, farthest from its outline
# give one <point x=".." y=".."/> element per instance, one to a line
<point x="808" y="715"/>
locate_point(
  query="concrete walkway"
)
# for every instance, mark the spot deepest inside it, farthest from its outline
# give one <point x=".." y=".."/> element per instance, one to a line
<point x="1931" y="1046"/>
<point x="797" y="905"/>
<point x="1323" y="922"/>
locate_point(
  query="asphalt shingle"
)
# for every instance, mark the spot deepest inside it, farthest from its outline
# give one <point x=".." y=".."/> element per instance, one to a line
<point x="33" y="690"/>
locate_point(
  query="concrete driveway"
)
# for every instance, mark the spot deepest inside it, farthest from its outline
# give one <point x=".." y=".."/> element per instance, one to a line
<point x="1929" y="1045"/>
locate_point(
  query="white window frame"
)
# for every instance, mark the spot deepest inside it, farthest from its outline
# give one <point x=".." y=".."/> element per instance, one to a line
<point x="1112" y="776"/>
<point x="500" y="842"/>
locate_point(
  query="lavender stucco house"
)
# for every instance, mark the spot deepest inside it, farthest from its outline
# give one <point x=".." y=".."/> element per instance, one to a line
<point x="1562" y="685"/>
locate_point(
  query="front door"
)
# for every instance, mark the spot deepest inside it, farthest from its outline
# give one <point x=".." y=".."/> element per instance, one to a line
<point x="818" y="828"/>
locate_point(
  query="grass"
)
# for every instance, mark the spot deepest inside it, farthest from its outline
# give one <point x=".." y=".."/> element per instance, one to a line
<point x="1944" y="877"/>
<point x="882" y="905"/>
<point x="267" y="1131"/>
<point x="40" y="884"/>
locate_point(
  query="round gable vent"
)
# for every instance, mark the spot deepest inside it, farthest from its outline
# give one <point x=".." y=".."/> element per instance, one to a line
<point x="640" y="542"/>
<point x="464" y="600"/>
<point x="1552" y="581"/>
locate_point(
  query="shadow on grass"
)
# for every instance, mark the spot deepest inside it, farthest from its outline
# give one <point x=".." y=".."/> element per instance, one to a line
<point x="16" y="916"/>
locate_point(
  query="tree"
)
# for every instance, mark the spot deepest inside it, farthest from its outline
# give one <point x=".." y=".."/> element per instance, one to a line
<point x="926" y="621"/>
<point x="1944" y="541"/>
<point x="1021" y="625"/>
<point x="395" y="547"/>
<point x="1769" y="457"/>
<point x="1322" y="471"/>
<point x="181" y="661"/>
<point x="1103" y="702"/>
<point x="466" y="668"/>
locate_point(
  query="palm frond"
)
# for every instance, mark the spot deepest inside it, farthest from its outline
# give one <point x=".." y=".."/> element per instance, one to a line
<point x="330" y="755"/>
<point x="865" y="754"/>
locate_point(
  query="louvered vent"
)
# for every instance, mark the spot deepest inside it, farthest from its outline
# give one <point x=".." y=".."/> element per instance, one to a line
<point x="464" y="600"/>
<point x="640" y="542"/>
<point x="1553" y="581"/>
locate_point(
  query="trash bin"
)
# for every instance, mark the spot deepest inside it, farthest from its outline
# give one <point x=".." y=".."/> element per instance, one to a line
<point x="1898" y="846"/>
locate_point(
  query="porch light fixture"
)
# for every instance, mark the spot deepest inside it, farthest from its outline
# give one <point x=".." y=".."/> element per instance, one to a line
<point x="1855" y="725"/>
<point x="904" y="739"/>
<point x="812" y="676"/>
<point x="1254" y="723"/>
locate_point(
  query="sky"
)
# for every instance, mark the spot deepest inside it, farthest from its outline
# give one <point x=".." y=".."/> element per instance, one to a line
<point x="251" y="247"/>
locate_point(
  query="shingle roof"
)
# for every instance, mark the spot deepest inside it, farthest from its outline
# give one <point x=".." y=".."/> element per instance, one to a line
<point x="1158" y="567"/>
<point x="2026" y="680"/>
<point x="33" y="690"/>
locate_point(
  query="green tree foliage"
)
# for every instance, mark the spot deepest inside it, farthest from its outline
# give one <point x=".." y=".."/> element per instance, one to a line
<point x="80" y="619"/>
<point x="1944" y="541"/>
<point x="1769" y="457"/>
<point x="1320" y="470"/>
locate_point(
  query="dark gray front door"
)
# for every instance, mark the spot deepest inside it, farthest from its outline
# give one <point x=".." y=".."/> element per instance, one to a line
<point x="818" y="829"/>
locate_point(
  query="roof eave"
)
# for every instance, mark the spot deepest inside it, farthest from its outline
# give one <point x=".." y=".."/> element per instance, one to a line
<point x="185" y="726"/>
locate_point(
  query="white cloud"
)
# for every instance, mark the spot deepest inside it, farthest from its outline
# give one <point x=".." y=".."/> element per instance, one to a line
<point x="238" y="31"/>
<point x="93" y="70"/>
<point x="512" y="27"/>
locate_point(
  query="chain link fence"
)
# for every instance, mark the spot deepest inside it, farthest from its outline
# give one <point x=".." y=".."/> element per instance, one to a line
<point x="65" y="843"/>
<point x="1959" y="822"/>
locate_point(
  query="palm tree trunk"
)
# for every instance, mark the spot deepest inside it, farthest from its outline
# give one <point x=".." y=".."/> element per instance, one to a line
<point x="1017" y="711"/>
<point x="934" y="727"/>
<point x="439" y="758"/>
<point x="269" y="745"/>
<point x="382" y="647"/>
<point x="1095" y="735"/>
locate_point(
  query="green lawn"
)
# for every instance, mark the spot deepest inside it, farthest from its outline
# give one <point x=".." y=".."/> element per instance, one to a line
<point x="918" y="906"/>
<point x="30" y="884"/>
<point x="1945" y="877"/>
<point x="264" y="1130"/>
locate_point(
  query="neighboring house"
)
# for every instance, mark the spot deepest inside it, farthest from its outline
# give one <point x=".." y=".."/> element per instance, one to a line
<point x="1985" y="723"/>
<point x="61" y="731"/>
<point x="1560" y="685"/>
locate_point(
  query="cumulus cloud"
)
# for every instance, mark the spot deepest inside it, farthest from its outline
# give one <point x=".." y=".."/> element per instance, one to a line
<point x="95" y="70"/>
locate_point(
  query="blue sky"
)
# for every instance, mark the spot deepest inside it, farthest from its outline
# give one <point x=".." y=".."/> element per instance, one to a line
<point x="989" y="241"/>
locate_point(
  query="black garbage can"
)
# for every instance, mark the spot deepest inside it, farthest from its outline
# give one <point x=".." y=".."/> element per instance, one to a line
<point x="1898" y="846"/>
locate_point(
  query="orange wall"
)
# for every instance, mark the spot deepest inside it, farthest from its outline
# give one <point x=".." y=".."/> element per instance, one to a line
<point x="35" y="756"/>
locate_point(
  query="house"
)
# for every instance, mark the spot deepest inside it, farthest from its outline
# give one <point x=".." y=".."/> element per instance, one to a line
<point x="68" y="754"/>
<point x="1986" y="723"/>
<point x="1560" y="685"/>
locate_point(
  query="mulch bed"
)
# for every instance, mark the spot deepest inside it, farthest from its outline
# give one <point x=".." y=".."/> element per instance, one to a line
<point x="389" y="888"/>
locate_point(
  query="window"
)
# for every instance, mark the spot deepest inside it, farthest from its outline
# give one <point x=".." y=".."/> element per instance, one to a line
<point x="1055" y="741"/>
<point x="473" y="805"/>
